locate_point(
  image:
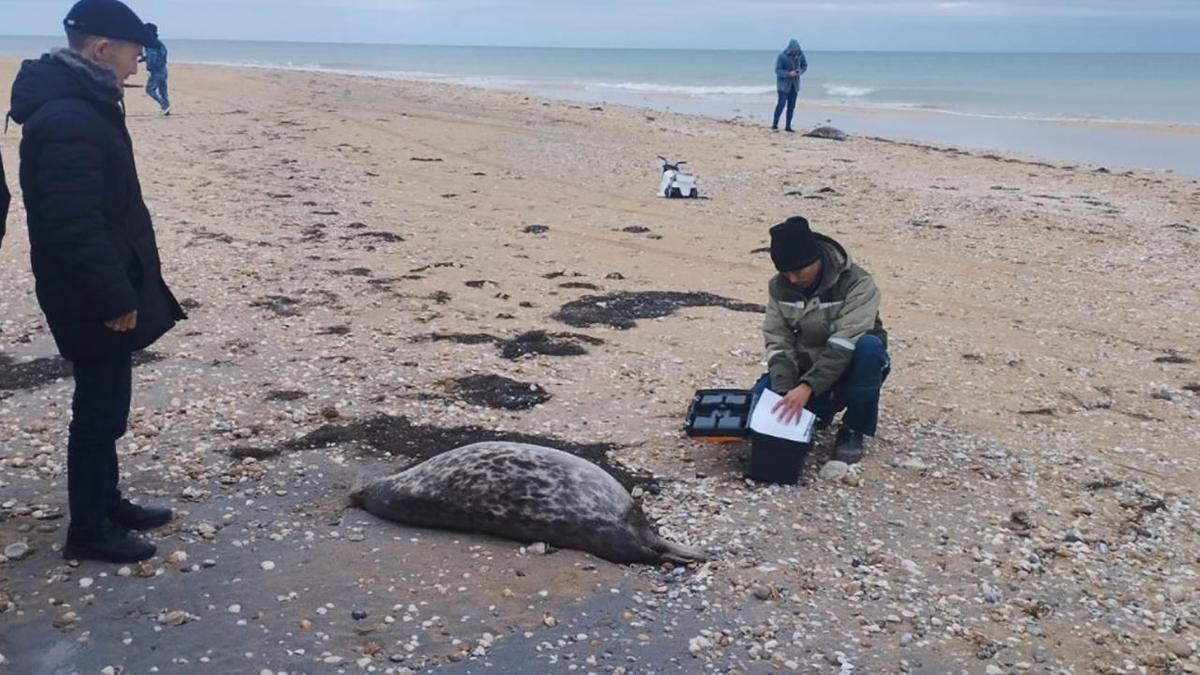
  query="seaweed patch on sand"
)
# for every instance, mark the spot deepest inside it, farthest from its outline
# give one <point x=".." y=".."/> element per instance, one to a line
<point x="622" y="310"/>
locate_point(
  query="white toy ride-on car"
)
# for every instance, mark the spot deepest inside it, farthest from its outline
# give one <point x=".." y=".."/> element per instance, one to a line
<point x="676" y="183"/>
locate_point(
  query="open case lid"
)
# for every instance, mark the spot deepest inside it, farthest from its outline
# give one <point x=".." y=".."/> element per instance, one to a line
<point x="721" y="413"/>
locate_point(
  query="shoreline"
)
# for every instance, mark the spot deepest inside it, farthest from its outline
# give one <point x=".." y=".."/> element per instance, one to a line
<point x="1109" y="143"/>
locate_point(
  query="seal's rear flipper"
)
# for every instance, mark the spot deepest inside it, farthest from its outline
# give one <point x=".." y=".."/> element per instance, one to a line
<point x="679" y="554"/>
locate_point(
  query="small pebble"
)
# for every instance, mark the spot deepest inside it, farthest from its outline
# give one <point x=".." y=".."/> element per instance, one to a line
<point x="18" y="551"/>
<point x="834" y="470"/>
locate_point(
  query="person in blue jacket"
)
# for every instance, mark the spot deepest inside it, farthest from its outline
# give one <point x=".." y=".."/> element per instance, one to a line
<point x="156" y="72"/>
<point x="789" y="66"/>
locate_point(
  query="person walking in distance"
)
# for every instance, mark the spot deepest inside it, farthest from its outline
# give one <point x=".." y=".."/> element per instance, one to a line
<point x="156" y="72"/>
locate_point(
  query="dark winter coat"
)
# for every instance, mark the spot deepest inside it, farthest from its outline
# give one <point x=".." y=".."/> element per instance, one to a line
<point x="91" y="240"/>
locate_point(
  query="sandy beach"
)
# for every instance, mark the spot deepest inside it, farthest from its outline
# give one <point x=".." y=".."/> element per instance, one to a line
<point x="351" y="250"/>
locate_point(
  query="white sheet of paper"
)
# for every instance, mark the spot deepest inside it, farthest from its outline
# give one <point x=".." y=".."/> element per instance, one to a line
<point x="765" y="422"/>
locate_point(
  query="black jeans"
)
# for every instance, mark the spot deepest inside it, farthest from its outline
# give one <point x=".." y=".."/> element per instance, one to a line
<point x="100" y="416"/>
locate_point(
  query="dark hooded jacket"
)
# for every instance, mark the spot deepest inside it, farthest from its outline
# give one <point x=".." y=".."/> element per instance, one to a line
<point x="91" y="239"/>
<point x="789" y="60"/>
<point x="811" y="334"/>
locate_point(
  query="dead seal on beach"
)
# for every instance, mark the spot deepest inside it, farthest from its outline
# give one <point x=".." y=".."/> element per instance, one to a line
<point x="828" y="132"/>
<point x="527" y="493"/>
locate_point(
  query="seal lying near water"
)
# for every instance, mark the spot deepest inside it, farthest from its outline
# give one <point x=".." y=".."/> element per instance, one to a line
<point x="527" y="493"/>
<point x="831" y="133"/>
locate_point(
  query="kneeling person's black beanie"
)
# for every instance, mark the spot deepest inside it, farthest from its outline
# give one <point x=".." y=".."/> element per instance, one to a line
<point x="793" y="245"/>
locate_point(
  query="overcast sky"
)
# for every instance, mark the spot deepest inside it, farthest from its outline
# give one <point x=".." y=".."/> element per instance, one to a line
<point x="964" y="25"/>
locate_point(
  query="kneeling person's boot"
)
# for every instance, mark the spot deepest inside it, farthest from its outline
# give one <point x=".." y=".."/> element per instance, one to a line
<point x="849" y="446"/>
<point x="108" y="543"/>
<point x="134" y="517"/>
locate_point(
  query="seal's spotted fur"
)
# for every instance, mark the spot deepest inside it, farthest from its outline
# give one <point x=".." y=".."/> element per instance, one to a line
<point x="523" y="492"/>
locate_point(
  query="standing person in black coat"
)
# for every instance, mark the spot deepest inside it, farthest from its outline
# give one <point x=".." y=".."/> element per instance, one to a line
<point x="95" y="259"/>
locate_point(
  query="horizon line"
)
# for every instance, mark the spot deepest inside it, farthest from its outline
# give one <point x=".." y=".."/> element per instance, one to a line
<point x="613" y="48"/>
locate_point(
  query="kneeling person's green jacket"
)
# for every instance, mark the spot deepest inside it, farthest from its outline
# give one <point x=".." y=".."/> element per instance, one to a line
<point x="812" y="339"/>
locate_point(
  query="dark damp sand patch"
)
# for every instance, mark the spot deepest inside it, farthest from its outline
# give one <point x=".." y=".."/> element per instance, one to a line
<point x="543" y="343"/>
<point x="622" y="310"/>
<point x="286" y="395"/>
<point x="202" y="235"/>
<point x="382" y="237"/>
<point x="392" y="436"/>
<point x="240" y="453"/>
<point x="495" y="391"/>
<point x="37" y="373"/>
<point x="354" y="272"/>
<point x="580" y="284"/>
<point x="1174" y="358"/>
<point x="536" y="229"/>
<point x="532" y="343"/>
<point x="335" y="330"/>
<point x="425" y="159"/>
<point x="315" y="233"/>
<point x="430" y="266"/>
<point x="480" y="283"/>
<point x="280" y="305"/>
<point x="636" y="229"/>
<point x="462" y="338"/>
<point x="288" y="306"/>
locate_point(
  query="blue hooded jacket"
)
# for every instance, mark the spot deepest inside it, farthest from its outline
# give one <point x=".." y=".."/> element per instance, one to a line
<point x="156" y="60"/>
<point x="788" y="60"/>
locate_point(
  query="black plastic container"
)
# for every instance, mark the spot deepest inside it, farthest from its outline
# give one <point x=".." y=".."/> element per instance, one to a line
<point x="720" y="413"/>
<point x="776" y="460"/>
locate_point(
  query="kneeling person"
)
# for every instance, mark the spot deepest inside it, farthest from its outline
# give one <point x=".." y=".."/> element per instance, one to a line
<point x="826" y="346"/>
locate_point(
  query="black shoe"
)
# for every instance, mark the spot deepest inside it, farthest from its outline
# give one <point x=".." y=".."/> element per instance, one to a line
<point x="774" y="127"/>
<point x="110" y="544"/>
<point x="790" y="130"/>
<point x="133" y="517"/>
<point x="849" y="446"/>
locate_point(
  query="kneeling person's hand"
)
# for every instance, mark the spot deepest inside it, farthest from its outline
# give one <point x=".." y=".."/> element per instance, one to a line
<point x="790" y="408"/>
